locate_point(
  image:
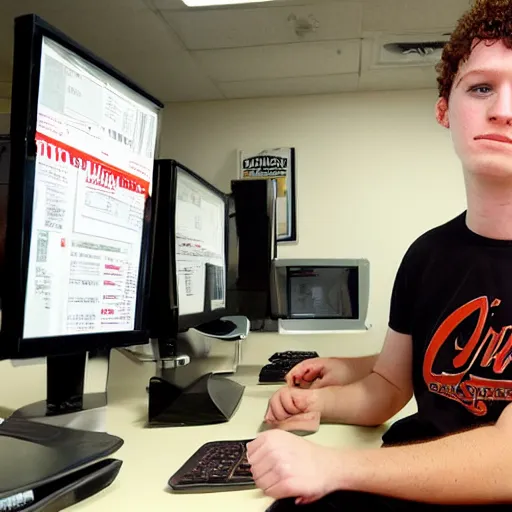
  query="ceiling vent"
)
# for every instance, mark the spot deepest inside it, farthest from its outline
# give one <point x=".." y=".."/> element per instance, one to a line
<point x="422" y="49"/>
<point x="391" y="51"/>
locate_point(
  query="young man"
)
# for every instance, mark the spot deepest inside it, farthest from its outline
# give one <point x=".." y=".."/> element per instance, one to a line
<point x="450" y="331"/>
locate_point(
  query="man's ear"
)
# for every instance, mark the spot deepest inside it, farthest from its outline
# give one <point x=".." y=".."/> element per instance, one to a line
<point x="442" y="112"/>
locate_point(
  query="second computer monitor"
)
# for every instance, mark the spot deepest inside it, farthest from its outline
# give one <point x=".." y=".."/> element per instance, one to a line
<point x="190" y="258"/>
<point x="200" y="250"/>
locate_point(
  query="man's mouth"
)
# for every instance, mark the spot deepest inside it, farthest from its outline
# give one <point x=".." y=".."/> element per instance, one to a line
<point x="495" y="137"/>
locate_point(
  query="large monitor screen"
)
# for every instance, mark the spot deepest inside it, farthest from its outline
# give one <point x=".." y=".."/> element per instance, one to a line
<point x="96" y="143"/>
<point x="200" y="246"/>
<point x="323" y="292"/>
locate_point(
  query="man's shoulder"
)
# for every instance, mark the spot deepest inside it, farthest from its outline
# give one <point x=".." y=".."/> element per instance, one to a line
<point x="438" y="236"/>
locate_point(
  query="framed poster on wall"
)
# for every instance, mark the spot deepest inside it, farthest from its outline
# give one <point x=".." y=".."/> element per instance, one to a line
<point x="276" y="164"/>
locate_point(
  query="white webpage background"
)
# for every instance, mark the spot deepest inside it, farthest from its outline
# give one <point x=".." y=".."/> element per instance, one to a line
<point x="200" y="239"/>
<point x="86" y="231"/>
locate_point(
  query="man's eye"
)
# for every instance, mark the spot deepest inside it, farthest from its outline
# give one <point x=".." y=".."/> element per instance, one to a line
<point x="481" y="89"/>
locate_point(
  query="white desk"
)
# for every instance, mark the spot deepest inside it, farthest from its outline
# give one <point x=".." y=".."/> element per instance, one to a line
<point x="151" y="456"/>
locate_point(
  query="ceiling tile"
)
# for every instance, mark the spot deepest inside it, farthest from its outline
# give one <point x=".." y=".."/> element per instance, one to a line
<point x="281" y="61"/>
<point x="262" y="26"/>
<point x="142" y="46"/>
<point x="290" y="86"/>
<point x="411" y="15"/>
<point x="392" y="79"/>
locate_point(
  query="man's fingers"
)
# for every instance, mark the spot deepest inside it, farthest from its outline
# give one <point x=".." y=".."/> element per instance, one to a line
<point x="276" y="409"/>
<point x="283" y="404"/>
<point x="304" y="374"/>
<point x="295" y="374"/>
<point x="266" y="481"/>
<point x="317" y="383"/>
<point x="253" y="447"/>
<point x="307" y="422"/>
<point x="281" y="488"/>
<point x="289" y="403"/>
<point x="311" y="374"/>
<point x="269" y="415"/>
<point x="261" y="464"/>
<point x="290" y="378"/>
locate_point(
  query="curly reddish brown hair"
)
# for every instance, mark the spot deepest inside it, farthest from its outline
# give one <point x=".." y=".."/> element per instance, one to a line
<point x="486" y="20"/>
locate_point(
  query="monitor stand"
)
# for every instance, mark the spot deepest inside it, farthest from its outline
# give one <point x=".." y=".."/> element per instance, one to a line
<point x="76" y="392"/>
<point x="177" y="397"/>
<point x="208" y="400"/>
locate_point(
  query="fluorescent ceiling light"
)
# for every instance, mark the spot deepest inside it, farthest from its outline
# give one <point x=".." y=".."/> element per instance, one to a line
<point x="205" y="3"/>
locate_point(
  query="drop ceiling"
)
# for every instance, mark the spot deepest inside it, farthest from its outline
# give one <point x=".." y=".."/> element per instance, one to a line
<point x="269" y="49"/>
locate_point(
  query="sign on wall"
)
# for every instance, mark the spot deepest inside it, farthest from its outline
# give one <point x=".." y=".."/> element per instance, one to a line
<point x="277" y="164"/>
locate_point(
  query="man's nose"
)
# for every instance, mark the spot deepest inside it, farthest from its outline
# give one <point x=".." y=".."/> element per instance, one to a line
<point x="501" y="109"/>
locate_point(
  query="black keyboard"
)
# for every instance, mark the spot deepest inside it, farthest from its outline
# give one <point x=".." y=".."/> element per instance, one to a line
<point x="293" y="354"/>
<point x="216" y="465"/>
<point x="281" y="363"/>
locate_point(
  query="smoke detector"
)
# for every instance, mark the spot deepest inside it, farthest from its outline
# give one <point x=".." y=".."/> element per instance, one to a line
<point x="302" y="25"/>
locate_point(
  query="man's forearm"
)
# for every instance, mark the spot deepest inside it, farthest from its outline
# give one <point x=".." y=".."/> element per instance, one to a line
<point x="469" y="467"/>
<point x="353" y="369"/>
<point x="367" y="402"/>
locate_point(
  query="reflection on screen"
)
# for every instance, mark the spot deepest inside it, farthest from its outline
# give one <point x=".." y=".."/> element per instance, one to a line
<point x="200" y="246"/>
<point x="95" y="151"/>
<point x="329" y="292"/>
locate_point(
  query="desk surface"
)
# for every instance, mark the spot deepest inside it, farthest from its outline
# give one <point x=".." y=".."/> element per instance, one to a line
<point x="151" y="456"/>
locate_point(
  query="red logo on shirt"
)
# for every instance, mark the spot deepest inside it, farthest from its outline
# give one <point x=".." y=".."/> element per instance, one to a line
<point x="481" y="351"/>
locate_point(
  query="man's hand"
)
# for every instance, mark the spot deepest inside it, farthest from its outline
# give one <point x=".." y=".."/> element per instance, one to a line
<point x="286" y="466"/>
<point x="306" y="422"/>
<point x="318" y="372"/>
<point x="287" y="402"/>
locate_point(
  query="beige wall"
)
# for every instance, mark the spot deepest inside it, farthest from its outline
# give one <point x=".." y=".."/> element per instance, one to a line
<point x="374" y="171"/>
<point x="5" y="106"/>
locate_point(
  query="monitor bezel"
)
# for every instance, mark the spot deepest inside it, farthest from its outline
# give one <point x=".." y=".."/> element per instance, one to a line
<point x="195" y="320"/>
<point x="29" y="33"/>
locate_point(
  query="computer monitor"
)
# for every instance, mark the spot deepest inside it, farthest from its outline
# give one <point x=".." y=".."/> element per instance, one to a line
<point x="200" y="250"/>
<point x="83" y="139"/>
<point x="190" y="257"/>
<point x="321" y="294"/>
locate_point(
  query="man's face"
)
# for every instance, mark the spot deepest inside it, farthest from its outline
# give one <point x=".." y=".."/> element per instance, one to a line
<point x="479" y="112"/>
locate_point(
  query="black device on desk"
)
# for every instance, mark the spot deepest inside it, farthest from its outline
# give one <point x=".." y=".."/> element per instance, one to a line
<point x="218" y="465"/>
<point x="252" y="247"/>
<point x="281" y="363"/>
<point x="45" y="467"/>
<point x="77" y="217"/>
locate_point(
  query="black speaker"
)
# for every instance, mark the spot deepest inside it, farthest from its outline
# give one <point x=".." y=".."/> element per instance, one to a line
<point x="254" y="221"/>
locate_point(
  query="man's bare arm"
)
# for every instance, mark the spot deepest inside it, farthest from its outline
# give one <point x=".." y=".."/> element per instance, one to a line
<point x="470" y="467"/>
<point x="380" y="394"/>
<point x="356" y="368"/>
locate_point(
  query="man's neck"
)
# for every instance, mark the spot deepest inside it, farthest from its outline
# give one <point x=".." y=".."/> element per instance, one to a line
<point x="489" y="208"/>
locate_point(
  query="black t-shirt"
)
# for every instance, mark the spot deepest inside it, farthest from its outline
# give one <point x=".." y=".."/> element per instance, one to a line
<point x="453" y="295"/>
